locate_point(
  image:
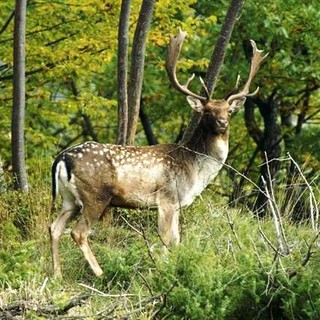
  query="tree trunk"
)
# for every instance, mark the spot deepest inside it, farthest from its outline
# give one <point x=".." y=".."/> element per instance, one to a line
<point x="137" y="66"/>
<point x="294" y="204"/>
<point x="216" y="61"/>
<point x="2" y="180"/>
<point x="270" y="146"/>
<point x="151" y="138"/>
<point x="18" y="109"/>
<point x="123" y="40"/>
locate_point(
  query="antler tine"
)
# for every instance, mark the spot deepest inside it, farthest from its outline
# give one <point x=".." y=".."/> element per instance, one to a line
<point x="174" y="49"/>
<point x="256" y="61"/>
<point x="206" y="90"/>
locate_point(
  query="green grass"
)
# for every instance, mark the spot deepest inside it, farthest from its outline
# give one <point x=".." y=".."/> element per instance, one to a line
<point x="223" y="269"/>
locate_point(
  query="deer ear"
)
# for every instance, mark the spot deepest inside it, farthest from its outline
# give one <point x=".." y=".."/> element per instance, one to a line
<point x="236" y="104"/>
<point x="195" y="103"/>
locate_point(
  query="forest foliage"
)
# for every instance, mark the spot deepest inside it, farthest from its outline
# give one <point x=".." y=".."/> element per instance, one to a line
<point x="227" y="266"/>
<point x="227" y="260"/>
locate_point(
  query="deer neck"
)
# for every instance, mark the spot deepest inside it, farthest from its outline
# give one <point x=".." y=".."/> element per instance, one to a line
<point x="212" y="146"/>
<point x="208" y="152"/>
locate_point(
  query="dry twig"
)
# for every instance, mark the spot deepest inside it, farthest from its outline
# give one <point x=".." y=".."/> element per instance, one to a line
<point x="314" y="210"/>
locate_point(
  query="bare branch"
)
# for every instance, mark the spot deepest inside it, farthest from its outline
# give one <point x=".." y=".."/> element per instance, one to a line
<point x="233" y="229"/>
<point x="5" y="26"/>
<point x="143" y="235"/>
<point x="283" y="246"/>
<point x="131" y="226"/>
<point x="309" y="252"/>
<point x="266" y="239"/>
<point x="314" y="211"/>
<point x="106" y="295"/>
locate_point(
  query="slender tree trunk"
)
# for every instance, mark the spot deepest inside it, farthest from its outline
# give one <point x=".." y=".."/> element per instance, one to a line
<point x="271" y="147"/>
<point x="151" y="138"/>
<point x="137" y="66"/>
<point x="216" y="61"/>
<point x="18" y="109"/>
<point x="294" y="204"/>
<point x="257" y="135"/>
<point x="123" y="40"/>
<point x="2" y="180"/>
<point x="304" y="110"/>
<point x="219" y="52"/>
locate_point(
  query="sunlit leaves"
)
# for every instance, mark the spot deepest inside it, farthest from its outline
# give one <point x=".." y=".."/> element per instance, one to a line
<point x="71" y="50"/>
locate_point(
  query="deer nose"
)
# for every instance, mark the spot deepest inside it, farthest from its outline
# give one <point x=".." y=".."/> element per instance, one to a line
<point x="223" y="123"/>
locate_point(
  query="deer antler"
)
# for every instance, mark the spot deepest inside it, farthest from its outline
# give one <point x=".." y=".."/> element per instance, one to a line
<point x="256" y="60"/>
<point x="174" y="49"/>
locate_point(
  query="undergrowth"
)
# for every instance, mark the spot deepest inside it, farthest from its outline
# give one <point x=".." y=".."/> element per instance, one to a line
<point x="227" y="266"/>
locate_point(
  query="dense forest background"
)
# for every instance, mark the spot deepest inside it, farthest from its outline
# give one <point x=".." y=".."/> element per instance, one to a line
<point x="71" y="96"/>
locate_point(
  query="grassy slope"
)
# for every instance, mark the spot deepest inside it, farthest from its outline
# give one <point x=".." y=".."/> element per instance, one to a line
<point x="223" y="269"/>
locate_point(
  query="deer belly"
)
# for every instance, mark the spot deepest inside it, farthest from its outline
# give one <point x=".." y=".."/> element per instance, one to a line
<point x="134" y="200"/>
<point x="136" y="188"/>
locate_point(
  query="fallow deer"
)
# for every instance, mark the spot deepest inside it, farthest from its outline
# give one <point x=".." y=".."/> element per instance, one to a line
<point x="93" y="176"/>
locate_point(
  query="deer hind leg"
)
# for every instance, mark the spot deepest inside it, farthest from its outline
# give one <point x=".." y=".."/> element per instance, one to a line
<point x="81" y="230"/>
<point x="168" y="224"/>
<point x="69" y="209"/>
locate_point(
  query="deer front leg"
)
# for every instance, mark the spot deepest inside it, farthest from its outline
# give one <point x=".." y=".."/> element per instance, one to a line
<point x="168" y="224"/>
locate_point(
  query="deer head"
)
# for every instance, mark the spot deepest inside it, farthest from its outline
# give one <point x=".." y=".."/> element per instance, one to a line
<point x="216" y="112"/>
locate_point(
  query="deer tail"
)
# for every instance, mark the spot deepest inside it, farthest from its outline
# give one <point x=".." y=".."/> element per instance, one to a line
<point x="54" y="184"/>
